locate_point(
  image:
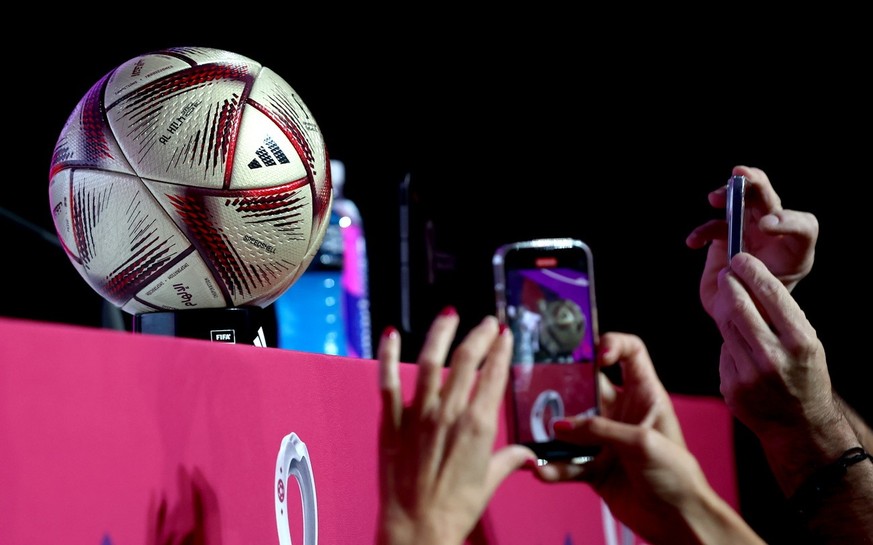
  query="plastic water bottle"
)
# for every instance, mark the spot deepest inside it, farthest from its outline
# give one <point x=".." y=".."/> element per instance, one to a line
<point x="327" y="309"/>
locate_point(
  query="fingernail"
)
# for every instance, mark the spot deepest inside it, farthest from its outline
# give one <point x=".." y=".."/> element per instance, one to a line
<point x="389" y="332"/>
<point x="530" y="463"/>
<point x="562" y="425"/>
<point x="449" y="311"/>
<point x="503" y="328"/>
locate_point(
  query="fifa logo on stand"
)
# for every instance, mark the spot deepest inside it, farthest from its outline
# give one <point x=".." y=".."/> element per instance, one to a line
<point x="223" y="335"/>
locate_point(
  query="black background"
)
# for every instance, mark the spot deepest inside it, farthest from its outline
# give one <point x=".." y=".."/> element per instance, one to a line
<point x="538" y="125"/>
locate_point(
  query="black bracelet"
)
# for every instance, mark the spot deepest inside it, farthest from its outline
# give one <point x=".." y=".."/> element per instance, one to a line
<point x="807" y="497"/>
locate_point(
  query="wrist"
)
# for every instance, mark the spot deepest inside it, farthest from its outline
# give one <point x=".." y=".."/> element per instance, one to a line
<point x="404" y="530"/>
<point x="794" y="452"/>
<point x="712" y="521"/>
<point x="825" y="481"/>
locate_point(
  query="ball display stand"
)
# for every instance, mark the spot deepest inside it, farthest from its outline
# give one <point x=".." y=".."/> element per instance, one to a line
<point x="233" y="325"/>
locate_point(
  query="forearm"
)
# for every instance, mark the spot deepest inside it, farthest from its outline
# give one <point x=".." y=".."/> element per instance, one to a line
<point x="711" y="521"/>
<point x="832" y="507"/>
<point x="835" y="505"/>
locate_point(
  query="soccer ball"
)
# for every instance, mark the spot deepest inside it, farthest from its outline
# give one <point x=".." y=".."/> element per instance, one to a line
<point x="190" y="178"/>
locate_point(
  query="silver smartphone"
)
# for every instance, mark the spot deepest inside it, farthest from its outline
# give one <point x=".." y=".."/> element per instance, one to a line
<point x="544" y="290"/>
<point x="736" y="212"/>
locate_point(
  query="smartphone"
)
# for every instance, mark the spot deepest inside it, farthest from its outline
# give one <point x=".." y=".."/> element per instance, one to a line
<point x="736" y="212"/>
<point x="544" y="290"/>
<point x="430" y="276"/>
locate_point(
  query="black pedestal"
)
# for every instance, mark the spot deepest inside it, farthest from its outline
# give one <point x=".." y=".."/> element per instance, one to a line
<point x="234" y="325"/>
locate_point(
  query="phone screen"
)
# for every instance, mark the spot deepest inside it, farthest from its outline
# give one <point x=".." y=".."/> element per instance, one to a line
<point x="545" y="294"/>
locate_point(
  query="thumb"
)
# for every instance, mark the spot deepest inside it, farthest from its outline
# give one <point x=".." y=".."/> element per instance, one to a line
<point x="504" y="462"/>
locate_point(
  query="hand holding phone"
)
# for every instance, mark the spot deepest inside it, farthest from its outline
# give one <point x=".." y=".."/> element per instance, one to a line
<point x="736" y="212"/>
<point x="545" y="293"/>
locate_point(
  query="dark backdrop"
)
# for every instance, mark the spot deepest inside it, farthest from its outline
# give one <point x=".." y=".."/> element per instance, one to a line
<point x="523" y="133"/>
